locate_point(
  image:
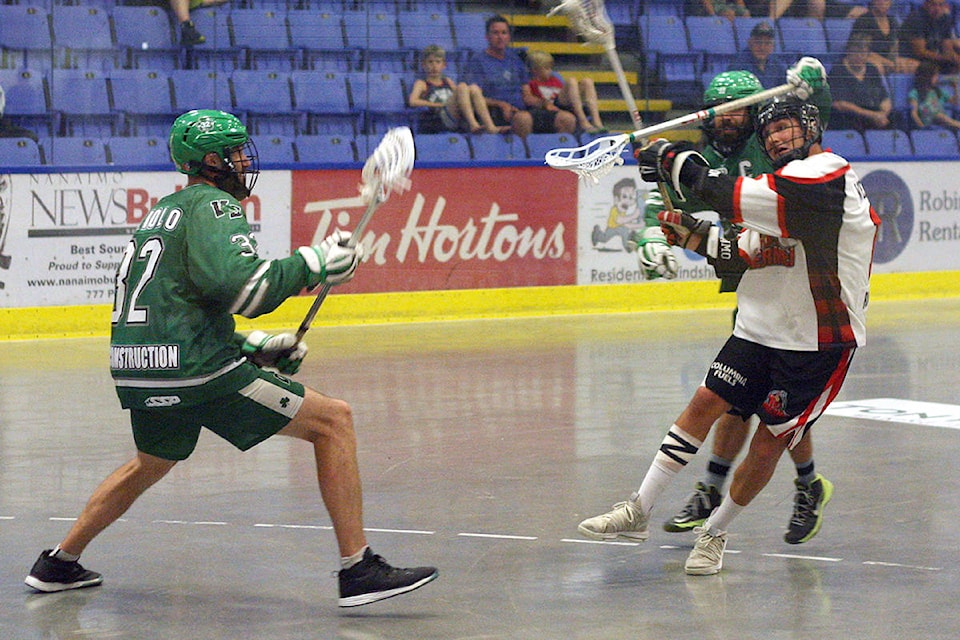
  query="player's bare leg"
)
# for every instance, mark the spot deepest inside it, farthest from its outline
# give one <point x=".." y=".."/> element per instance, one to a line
<point x="479" y="107"/>
<point x="327" y="423"/>
<point x="461" y="107"/>
<point x="113" y="497"/>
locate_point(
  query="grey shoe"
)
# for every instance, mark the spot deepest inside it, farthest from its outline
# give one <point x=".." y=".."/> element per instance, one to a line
<point x="626" y="520"/>
<point x="706" y="557"/>
<point x="698" y="508"/>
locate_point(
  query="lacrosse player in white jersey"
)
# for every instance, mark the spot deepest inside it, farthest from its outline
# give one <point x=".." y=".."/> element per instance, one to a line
<point x="805" y="252"/>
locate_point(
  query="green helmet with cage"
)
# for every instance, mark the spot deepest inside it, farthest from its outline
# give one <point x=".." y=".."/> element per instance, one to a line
<point x="200" y="132"/>
<point x="724" y="87"/>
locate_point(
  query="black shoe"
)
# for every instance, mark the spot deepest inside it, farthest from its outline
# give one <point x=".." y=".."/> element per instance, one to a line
<point x="373" y="579"/>
<point x="808" y="504"/>
<point x="50" y="574"/>
<point x="697" y="509"/>
<point x="189" y="36"/>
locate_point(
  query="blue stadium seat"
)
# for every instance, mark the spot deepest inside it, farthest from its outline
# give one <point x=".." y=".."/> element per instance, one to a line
<point x="712" y="35"/>
<point x="276" y="150"/>
<point x="266" y="100"/>
<point x="377" y="35"/>
<point x="838" y="32"/>
<point x="319" y="36"/>
<point x="493" y="147"/>
<point x="139" y="151"/>
<point x="323" y="97"/>
<point x="26" y="38"/>
<point x="145" y="37"/>
<point x="469" y="29"/>
<point x="326" y="149"/>
<point x="802" y="36"/>
<point x="539" y="143"/>
<point x="421" y="28"/>
<point x="442" y="147"/>
<point x="82" y="38"/>
<point x="382" y="97"/>
<point x="26" y="95"/>
<point x="934" y="143"/>
<point x="200" y="89"/>
<point x="845" y="142"/>
<point x="79" y="151"/>
<point x="143" y="100"/>
<point x="888" y="142"/>
<point x="20" y="152"/>
<point x="664" y="34"/>
<point x="82" y="99"/>
<point x="262" y="34"/>
<point x="680" y="73"/>
<point x="623" y="16"/>
<point x="218" y="52"/>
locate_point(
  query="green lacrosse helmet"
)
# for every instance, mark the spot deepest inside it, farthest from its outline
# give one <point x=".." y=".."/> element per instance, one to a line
<point x="727" y="86"/>
<point x="731" y="85"/>
<point x="201" y="131"/>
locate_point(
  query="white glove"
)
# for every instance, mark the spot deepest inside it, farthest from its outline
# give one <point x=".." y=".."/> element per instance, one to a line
<point x="281" y="351"/>
<point x="332" y="261"/>
<point x="808" y="76"/>
<point x="655" y="256"/>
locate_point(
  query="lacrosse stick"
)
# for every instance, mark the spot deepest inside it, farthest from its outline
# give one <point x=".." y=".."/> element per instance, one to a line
<point x="590" y="21"/>
<point x="597" y="158"/>
<point x="385" y="171"/>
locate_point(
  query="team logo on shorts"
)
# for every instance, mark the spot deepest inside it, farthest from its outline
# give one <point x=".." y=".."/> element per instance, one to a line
<point x="776" y="404"/>
<point x="161" y="401"/>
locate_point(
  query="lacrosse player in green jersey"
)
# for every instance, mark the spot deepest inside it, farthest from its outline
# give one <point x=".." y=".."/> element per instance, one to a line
<point x="733" y="147"/>
<point x="178" y="365"/>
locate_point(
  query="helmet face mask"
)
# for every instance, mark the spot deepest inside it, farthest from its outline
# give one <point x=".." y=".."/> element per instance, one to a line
<point x="729" y="132"/>
<point x="197" y="133"/>
<point x="780" y="114"/>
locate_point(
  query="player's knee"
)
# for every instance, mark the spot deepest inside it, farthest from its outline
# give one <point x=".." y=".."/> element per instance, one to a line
<point x="565" y="122"/>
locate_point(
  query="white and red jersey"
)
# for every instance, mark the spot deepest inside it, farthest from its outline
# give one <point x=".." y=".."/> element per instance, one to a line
<point x="808" y="247"/>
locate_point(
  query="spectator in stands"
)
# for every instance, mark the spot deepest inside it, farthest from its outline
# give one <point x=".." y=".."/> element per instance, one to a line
<point x="929" y="33"/>
<point x="817" y="9"/>
<point x="884" y="38"/>
<point x="860" y="98"/>
<point x="729" y="9"/>
<point x="500" y="73"/>
<point x="448" y="105"/>
<point x="758" y="58"/>
<point x="189" y="36"/>
<point x="9" y="129"/>
<point x="928" y="101"/>
<point x="548" y="90"/>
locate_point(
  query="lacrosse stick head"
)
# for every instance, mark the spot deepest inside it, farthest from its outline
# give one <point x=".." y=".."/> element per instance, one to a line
<point x="388" y="168"/>
<point x="591" y="161"/>
<point x="588" y="19"/>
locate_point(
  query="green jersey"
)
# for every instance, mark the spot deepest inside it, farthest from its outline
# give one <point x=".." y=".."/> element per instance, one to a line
<point x="190" y="266"/>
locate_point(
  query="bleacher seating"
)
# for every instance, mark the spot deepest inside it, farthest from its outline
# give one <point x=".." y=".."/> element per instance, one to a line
<point x="934" y="143"/>
<point x="20" y="152"/>
<point x="139" y="150"/>
<point x="79" y="151"/>
<point x="255" y="48"/>
<point x="143" y="101"/>
<point x="441" y="147"/>
<point x="845" y="142"/>
<point x="888" y="142"/>
<point x="276" y="150"/>
<point x="326" y="149"/>
<point x="539" y="143"/>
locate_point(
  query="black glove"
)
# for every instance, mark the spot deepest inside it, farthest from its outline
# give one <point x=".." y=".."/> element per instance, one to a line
<point x="656" y="159"/>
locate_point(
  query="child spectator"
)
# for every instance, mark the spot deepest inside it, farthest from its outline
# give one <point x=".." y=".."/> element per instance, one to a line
<point x="547" y="90"/>
<point x="450" y="106"/>
<point x="928" y="102"/>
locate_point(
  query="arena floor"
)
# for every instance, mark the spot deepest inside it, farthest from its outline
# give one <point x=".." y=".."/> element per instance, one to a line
<point x="482" y="445"/>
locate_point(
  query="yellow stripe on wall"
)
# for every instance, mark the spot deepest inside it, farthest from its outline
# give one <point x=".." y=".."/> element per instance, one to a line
<point x="427" y="306"/>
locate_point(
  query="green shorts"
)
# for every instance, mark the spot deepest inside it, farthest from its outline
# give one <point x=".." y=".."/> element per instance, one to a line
<point x="244" y="418"/>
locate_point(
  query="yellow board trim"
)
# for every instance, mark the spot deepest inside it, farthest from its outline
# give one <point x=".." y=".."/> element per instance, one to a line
<point x="428" y="306"/>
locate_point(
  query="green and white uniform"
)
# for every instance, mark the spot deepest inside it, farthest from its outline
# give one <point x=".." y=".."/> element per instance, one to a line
<point x="190" y="266"/>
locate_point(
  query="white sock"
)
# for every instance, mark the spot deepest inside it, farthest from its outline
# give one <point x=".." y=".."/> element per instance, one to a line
<point x="677" y="449"/>
<point x="349" y="561"/>
<point x="60" y="554"/>
<point x="723" y="515"/>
